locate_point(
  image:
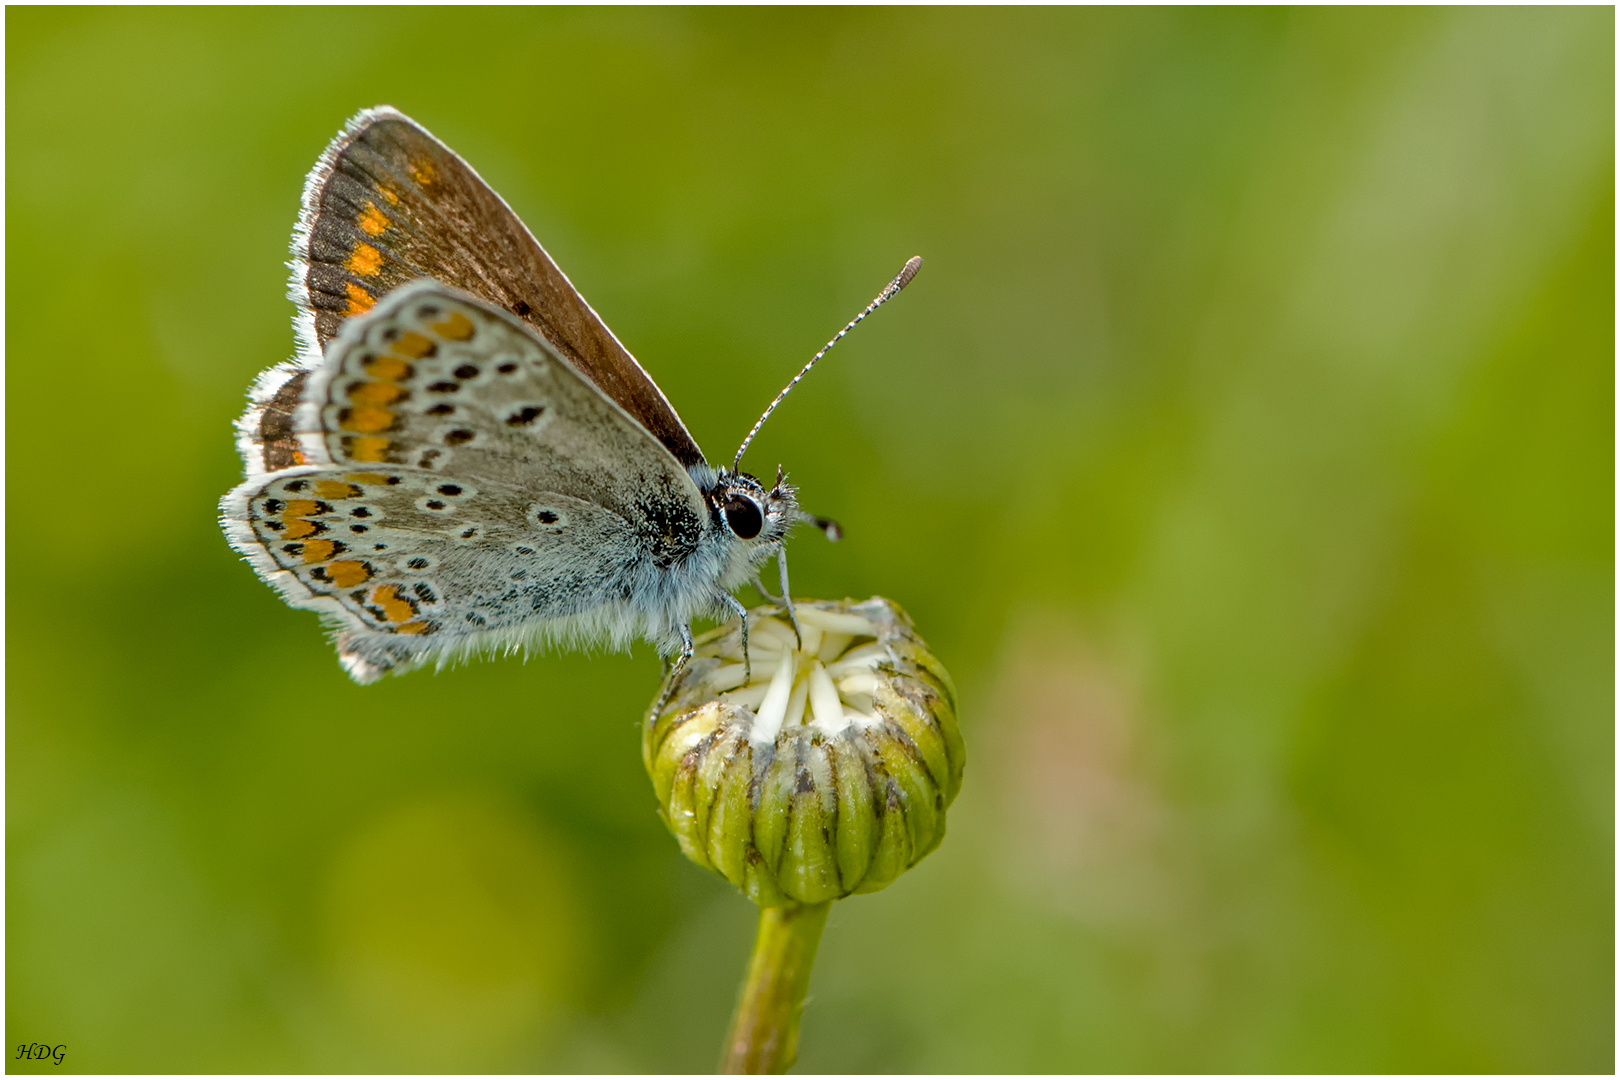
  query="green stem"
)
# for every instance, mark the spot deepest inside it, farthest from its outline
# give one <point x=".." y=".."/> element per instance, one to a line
<point x="764" y="1036"/>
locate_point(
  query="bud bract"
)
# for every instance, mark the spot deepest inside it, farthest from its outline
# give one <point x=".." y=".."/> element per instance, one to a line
<point x="823" y="766"/>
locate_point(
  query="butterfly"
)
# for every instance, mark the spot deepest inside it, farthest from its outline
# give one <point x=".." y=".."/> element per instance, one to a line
<point x="461" y="458"/>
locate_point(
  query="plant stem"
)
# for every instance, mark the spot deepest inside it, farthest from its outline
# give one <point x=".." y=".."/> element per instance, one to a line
<point x="764" y="1036"/>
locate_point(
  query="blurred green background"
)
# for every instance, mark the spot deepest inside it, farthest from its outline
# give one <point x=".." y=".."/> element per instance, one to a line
<point x="1245" y="448"/>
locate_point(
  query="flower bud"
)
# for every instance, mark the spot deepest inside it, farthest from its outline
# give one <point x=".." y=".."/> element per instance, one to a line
<point x="824" y="771"/>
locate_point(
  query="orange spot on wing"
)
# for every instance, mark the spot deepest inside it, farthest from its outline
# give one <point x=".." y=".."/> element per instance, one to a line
<point x="414" y="628"/>
<point x="457" y="327"/>
<point x="293" y="516"/>
<point x="319" y="550"/>
<point x="395" y="607"/>
<point x="414" y="346"/>
<point x="388" y="368"/>
<point x="365" y="261"/>
<point x="366" y="478"/>
<point x="369" y="448"/>
<point x="371" y="220"/>
<point x="360" y="301"/>
<point x="335" y="489"/>
<point x="375" y="393"/>
<point x="388" y="196"/>
<point x="368" y="419"/>
<point x="347" y="573"/>
<point x="423" y="172"/>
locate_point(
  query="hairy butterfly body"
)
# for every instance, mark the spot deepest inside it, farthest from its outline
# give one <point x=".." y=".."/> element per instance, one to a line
<point x="462" y="457"/>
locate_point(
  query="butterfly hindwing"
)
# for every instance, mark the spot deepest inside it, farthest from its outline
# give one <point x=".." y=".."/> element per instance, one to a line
<point x="388" y="203"/>
<point x="464" y="487"/>
<point x="405" y="572"/>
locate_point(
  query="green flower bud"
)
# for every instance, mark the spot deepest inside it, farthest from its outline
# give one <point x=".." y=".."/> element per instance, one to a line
<point x="827" y="772"/>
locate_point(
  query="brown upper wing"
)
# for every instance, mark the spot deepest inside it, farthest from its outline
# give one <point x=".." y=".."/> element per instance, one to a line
<point x="387" y="203"/>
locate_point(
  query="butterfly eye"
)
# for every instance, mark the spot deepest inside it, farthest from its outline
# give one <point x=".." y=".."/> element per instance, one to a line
<point x="744" y="517"/>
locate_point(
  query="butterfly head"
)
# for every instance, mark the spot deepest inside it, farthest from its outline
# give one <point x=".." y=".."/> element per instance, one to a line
<point x="749" y="512"/>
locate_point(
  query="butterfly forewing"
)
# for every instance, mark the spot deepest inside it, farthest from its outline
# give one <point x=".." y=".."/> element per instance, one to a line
<point x="389" y="203"/>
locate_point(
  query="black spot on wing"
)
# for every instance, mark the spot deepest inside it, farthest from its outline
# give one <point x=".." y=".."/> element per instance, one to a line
<point x="525" y="416"/>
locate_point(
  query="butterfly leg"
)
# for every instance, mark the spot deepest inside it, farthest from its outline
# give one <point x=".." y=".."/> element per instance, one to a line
<point x="742" y="614"/>
<point x="686" y="651"/>
<point x="787" y="597"/>
<point x="759" y="587"/>
<point x="673" y="670"/>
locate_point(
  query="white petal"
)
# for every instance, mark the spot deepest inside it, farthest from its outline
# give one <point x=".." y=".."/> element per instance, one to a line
<point x="750" y="696"/>
<point x="836" y="622"/>
<point x="832" y="643"/>
<point x="726" y="677"/>
<point x="773" y="708"/>
<point x="867" y="656"/>
<point x="795" y="710"/>
<point x="860" y="682"/>
<point x="767" y="632"/>
<point x="824" y="703"/>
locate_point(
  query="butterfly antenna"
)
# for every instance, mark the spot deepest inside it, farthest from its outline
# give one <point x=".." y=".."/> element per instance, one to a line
<point x="900" y="281"/>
